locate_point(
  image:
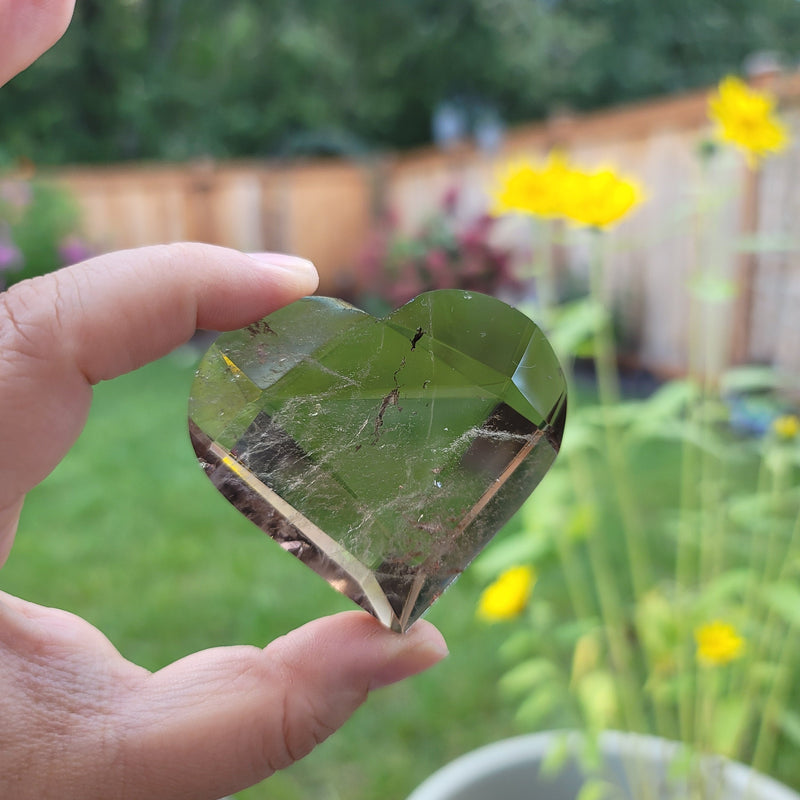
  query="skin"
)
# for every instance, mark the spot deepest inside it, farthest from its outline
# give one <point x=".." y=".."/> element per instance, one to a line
<point x="76" y="719"/>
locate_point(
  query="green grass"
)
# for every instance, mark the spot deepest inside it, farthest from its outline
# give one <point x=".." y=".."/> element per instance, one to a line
<point x="128" y="533"/>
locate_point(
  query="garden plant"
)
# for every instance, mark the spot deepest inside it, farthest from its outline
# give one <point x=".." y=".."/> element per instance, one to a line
<point x="39" y="228"/>
<point x="655" y="596"/>
<point x="649" y="585"/>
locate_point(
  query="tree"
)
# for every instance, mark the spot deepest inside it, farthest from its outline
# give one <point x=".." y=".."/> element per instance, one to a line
<point x="176" y="80"/>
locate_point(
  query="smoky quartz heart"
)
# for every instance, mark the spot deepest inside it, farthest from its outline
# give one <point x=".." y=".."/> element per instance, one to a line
<point x="383" y="453"/>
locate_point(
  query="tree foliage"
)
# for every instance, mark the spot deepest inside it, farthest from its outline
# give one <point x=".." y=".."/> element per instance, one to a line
<point x="175" y="79"/>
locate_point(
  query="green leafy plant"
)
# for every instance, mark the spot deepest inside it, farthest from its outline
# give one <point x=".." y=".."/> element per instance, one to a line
<point x="667" y="598"/>
<point x="447" y="252"/>
<point x="38" y="230"/>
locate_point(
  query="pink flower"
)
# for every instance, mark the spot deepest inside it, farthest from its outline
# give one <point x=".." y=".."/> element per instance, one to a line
<point x="475" y="235"/>
<point x="10" y="257"/>
<point x="450" y="200"/>
<point x="442" y="275"/>
<point x="73" y="250"/>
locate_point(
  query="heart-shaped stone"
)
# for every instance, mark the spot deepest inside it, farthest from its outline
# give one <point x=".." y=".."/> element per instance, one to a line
<point x="384" y="453"/>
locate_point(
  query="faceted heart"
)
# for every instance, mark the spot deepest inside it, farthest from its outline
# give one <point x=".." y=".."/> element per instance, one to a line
<point x="383" y="453"/>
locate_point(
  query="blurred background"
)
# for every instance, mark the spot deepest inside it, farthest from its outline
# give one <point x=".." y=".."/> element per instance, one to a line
<point x="368" y="139"/>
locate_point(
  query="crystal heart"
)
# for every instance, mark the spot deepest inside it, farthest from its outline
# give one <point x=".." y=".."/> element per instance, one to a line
<point x="383" y="453"/>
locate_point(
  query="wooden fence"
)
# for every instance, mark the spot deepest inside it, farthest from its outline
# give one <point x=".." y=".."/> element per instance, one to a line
<point x="693" y="217"/>
<point x="321" y="210"/>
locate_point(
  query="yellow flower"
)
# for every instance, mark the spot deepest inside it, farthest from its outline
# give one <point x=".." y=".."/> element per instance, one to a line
<point x="718" y="643"/>
<point x="787" y="426"/>
<point x="508" y="595"/>
<point x="530" y="188"/>
<point x="557" y="189"/>
<point x="745" y="117"/>
<point x="599" y="199"/>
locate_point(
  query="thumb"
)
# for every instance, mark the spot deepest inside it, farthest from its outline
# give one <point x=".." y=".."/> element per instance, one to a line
<point x="27" y="29"/>
<point x="224" y="719"/>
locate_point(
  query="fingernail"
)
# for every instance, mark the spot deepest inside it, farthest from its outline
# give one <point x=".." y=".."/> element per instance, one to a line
<point x="294" y="263"/>
<point x="420" y="648"/>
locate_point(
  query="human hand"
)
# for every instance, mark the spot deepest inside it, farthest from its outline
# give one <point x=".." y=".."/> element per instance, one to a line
<point x="77" y="719"/>
<point x="27" y="29"/>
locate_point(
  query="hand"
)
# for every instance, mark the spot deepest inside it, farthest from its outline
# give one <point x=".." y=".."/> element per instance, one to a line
<point x="27" y="29"/>
<point x="78" y="720"/>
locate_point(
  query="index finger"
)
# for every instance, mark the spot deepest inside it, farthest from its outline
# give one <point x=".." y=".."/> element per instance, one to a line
<point x="62" y="333"/>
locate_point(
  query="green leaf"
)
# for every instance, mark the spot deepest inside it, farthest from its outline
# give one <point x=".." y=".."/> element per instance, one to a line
<point x="765" y="673"/>
<point x="526" y="676"/>
<point x="664" y="412"/>
<point x="580" y="435"/>
<point x="749" y="378"/>
<point x="784" y="600"/>
<point x="701" y="436"/>
<point x="621" y="414"/>
<point x="576" y="323"/>
<point x="596" y="789"/>
<point x="713" y="289"/>
<point x="590" y="756"/>
<point x="520" y="644"/>
<point x="756" y="513"/>
<point x="581" y="522"/>
<point x="535" y="709"/>
<point x="727" y="587"/>
<point x="670" y="400"/>
<point x="556" y="757"/>
<point x="750" y="507"/>
<point x="526" y="547"/>
<point x="766" y="243"/>
<point x="568" y="633"/>
<point x="730" y="714"/>
<point x="789" y="722"/>
<point x="597" y="692"/>
<point x="682" y="763"/>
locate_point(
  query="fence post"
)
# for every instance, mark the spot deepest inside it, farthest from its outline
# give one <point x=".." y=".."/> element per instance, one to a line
<point x="763" y="71"/>
<point x="746" y="266"/>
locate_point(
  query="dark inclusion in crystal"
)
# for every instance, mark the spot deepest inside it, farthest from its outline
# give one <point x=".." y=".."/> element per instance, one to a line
<point x="384" y="454"/>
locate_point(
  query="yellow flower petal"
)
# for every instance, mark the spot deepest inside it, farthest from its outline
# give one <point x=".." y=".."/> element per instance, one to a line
<point x="718" y="643"/>
<point x="787" y="426"/>
<point x="600" y="199"/>
<point x="508" y="596"/>
<point x="746" y="118"/>
<point x="555" y="188"/>
<point x="526" y="188"/>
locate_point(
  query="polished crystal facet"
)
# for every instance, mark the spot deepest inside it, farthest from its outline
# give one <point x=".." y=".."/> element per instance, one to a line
<point x="384" y="453"/>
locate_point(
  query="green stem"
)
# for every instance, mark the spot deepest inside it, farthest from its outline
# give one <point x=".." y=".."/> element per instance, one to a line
<point x="756" y="544"/>
<point x="579" y="598"/>
<point x="769" y="632"/>
<point x="772" y="556"/>
<point x="609" y="394"/>
<point x="685" y="573"/>
<point x="708" y="690"/>
<point x="605" y="357"/>
<point x="611" y="609"/>
<point x="543" y="273"/>
<point x="767" y="738"/>
<point x="696" y="470"/>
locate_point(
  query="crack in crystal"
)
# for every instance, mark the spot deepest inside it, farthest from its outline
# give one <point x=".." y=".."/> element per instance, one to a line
<point x="390" y="399"/>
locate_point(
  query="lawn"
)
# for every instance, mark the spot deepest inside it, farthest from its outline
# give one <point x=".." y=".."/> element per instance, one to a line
<point x="129" y="533"/>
